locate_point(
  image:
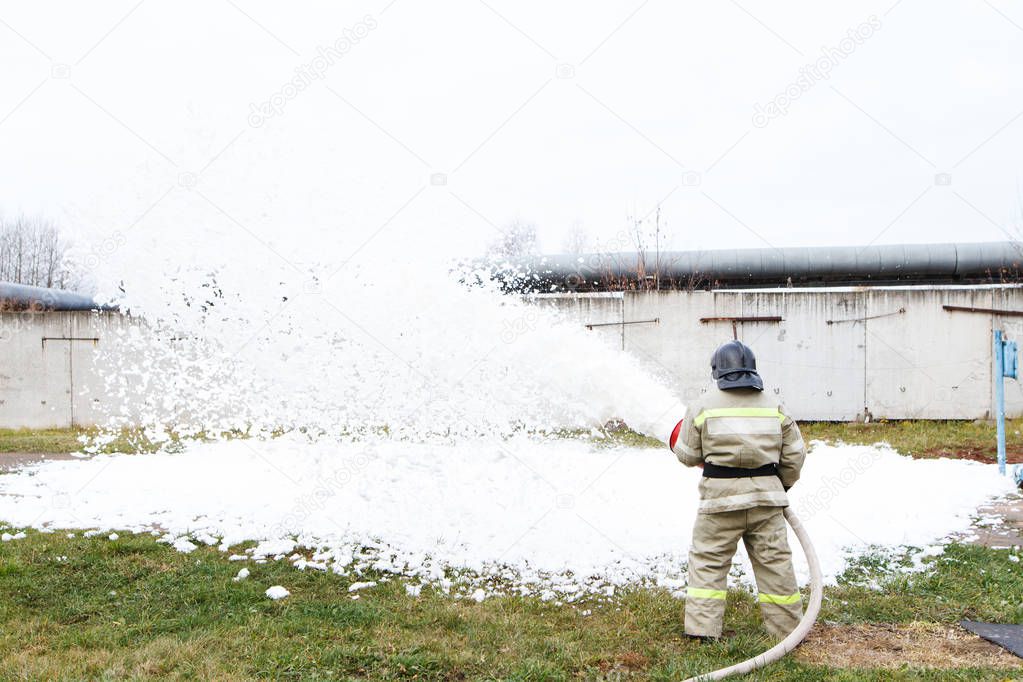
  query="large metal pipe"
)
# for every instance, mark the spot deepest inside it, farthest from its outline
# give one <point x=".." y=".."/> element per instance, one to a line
<point x="24" y="297"/>
<point x="952" y="262"/>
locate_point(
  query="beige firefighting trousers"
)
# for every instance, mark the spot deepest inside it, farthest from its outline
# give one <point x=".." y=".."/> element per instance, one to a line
<point x="715" y="536"/>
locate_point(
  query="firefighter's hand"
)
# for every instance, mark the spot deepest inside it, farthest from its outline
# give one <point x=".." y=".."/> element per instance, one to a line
<point x="700" y="465"/>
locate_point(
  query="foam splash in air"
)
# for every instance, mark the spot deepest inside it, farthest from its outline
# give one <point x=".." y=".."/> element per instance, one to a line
<point x="347" y="353"/>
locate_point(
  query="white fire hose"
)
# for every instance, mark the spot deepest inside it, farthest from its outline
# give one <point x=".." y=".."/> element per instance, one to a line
<point x="796" y="636"/>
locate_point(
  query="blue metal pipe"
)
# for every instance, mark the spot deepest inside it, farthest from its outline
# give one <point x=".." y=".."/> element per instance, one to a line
<point x="999" y="352"/>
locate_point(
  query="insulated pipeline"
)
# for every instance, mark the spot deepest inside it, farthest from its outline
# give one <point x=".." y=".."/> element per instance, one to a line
<point x="876" y="263"/>
<point x="24" y="297"/>
<point x="796" y="636"/>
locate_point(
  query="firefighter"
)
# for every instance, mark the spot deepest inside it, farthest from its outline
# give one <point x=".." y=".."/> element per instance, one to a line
<point x="751" y="453"/>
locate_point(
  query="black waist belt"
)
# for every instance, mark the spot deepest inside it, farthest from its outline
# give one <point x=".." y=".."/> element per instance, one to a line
<point x="715" y="471"/>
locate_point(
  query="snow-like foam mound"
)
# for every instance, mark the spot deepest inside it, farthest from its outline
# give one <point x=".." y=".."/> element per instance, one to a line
<point x="563" y="515"/>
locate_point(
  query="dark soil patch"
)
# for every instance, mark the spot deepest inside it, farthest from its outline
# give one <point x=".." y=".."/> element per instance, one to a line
<point x="1000" y="524"/>
<point x="879" y="645"/>
<point x="9" y="461"/>
<point x="1013" y="454"/>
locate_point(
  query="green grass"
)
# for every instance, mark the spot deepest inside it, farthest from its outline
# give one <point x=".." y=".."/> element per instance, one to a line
<point x="59" y="441"/>
<point x="918" y="438"/>
<point x="924" y="438"/>
<point x="134" y="608"/>
<point x="49" y="441"/>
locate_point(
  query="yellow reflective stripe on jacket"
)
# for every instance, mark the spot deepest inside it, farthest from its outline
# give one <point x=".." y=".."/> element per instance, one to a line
<point x="738" y="412"/>
<point x="704" y="593"/>
<point x="779" y="598"/>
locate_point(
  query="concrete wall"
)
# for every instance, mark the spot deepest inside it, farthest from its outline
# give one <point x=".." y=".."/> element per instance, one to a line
<point x="837" y="354"/>
<point x="48" y="375"/>
<point x="603" y="312"/>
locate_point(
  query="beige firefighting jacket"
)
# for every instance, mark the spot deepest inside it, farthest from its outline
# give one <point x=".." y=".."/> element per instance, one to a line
<point x="741" y="427"/>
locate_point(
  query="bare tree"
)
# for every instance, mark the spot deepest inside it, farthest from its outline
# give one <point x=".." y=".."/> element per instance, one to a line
<point x="517" y="239"/>
<point x="35" y="252"/>
<point x="577" y="241"/>
<point x="648" y="235"/>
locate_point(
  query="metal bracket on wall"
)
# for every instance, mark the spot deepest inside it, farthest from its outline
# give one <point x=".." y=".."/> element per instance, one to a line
<point x="986" y="311"/>
<point x="656" y="320"/>
<point x="94" y="339"/>
<point x="742" y="318"/>
<point x="868" y="317"/>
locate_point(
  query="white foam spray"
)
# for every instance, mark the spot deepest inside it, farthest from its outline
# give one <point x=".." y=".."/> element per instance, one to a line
<point x="407" y="352"/>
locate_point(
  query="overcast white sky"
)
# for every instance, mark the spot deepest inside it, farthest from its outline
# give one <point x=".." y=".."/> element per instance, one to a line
<point x="131" y="122"/>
